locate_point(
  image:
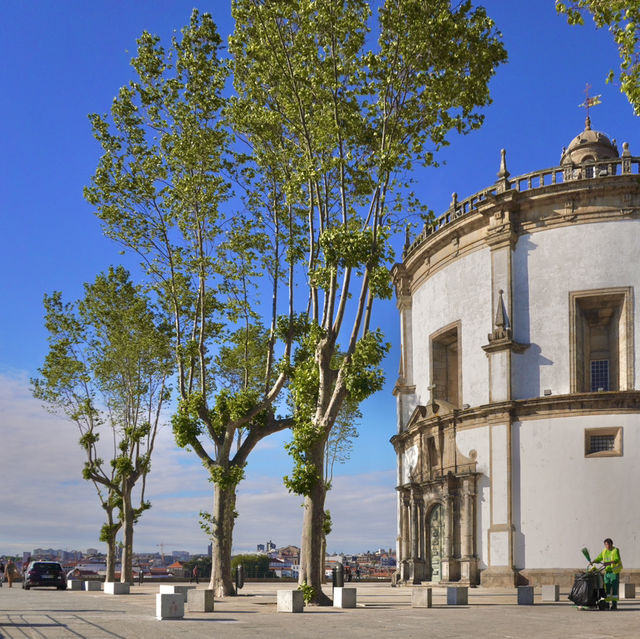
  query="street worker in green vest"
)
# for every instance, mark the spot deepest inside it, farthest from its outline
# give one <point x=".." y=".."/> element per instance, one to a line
<point x="610" y="557"/>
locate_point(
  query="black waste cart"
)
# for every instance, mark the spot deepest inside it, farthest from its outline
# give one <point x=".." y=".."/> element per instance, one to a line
<point x="588" y="589"/>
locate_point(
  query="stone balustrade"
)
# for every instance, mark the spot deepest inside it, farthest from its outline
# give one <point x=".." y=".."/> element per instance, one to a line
<point x="604" y="169"/>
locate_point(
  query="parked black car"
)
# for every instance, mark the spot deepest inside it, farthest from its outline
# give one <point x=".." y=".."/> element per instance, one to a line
<point x="44" y="573"/>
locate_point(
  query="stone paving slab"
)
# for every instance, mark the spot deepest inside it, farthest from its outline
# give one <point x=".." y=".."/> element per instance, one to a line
<point x="382" y="611"/>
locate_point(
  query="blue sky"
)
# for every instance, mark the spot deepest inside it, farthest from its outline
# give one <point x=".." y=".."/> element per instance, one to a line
<point x="64" y="60"/>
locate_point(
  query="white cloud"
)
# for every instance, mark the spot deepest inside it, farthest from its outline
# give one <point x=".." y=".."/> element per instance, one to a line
<point x="46" y="503"/>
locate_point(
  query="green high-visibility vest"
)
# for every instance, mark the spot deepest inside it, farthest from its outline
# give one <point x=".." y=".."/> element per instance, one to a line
<point x="610" y="555"/>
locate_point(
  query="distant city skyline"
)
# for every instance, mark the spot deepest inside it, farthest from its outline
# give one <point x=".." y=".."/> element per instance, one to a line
<point x="65" y="60"/>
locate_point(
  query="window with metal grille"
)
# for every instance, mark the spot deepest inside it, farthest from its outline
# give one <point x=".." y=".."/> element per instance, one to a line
<point x="599" y="375"/>
<point x="598" y="443"/>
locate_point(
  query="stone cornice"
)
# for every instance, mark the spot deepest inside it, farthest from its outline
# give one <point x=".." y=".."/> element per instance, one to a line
<point x="403" y="389"/>
<point x="547" y="407"/>
<point x="411" y="486"/>
<point x="504" y="343"/>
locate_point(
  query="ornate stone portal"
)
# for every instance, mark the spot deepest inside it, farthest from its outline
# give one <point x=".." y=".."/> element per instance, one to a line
<point x="437" y="500"/>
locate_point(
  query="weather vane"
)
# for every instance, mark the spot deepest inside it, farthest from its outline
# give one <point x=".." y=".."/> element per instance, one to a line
<point x="590" y="102"/>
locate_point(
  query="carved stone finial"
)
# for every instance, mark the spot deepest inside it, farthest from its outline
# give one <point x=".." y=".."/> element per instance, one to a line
<point x="587" y="124"/>
<point x="503" y="183"/>
<point x="454" y="201"/>
<point x="500" y="318"/>
<point x="503" y="173"/>
<point x="407" y="239"/>
<point x="501" y="330"/>
<point x="625" y="149"/>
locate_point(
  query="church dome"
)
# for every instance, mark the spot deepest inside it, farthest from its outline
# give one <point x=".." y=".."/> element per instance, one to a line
<point x="589" y="146"/>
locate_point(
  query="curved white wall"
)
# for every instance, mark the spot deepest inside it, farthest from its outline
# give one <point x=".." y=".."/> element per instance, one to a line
<point x="459" y="292"/>
<point x="478" y="439"/>
<point x="564" y="501"/>
<point x="546" y="267"/>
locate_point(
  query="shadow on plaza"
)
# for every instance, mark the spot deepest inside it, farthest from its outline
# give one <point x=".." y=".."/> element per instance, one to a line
<point x="22" y="623"/>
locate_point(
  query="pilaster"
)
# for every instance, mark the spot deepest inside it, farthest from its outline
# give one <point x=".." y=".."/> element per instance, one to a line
<point x="404" y="390"/>
<point x="469" y="560"/>
<point x="450" y="563"/>
<point x="500" y="535"/>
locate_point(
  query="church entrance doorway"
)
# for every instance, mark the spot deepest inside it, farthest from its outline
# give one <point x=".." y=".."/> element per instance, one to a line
<point x="436" y="541"/>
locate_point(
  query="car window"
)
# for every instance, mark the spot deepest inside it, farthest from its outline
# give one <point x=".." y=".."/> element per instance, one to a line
<point x="40" y="566"/>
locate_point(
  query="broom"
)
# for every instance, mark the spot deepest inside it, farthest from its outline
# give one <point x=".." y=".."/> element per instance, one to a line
<point x="585" y="552"/>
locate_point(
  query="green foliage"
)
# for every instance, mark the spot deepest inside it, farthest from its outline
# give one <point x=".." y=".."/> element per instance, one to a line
<point x="242" y="358"/>
<point x="254" y="565"/>
<point x="327" y="525"/>
<point x="186" y="423"/>
<point x="363" y="376"/>
<point x="363" y="371"/>
<point x="336" y="124"/>
<point x="340" y="441"/>
<point x="226" y="478"/>
<point x="207" y="523"/>
<point x="106" y="369"/>
<point x="308" y="592"/>
<point x="108" y="532"/>
<point x="622" y="18"/>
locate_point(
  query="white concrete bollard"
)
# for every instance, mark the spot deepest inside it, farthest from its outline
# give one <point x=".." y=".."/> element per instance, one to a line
<point x="344" y="597"/>
<point x="93" y="585"/>
<point x="116" y="588"/>
<point x="421" y="597"/>
<point x="167" y="589"/>
<point x="290" y="601"/>
<point x="457" y="595"/>
<point x="200" y="600"/>
<point x="169" y="606"/>
<point x="74" y="584"/>
<point x="627" y="591"/>
<point x="550" y="593"/>
<point x="525" y="595"/>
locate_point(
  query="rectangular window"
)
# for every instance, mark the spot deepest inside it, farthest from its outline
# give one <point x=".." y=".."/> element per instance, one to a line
<point x="603" y="442"/>
<point x="599" y="375"/>
<point x="598" y="443"/>
<point x="601" y="340"/>
<point x="445" y="365"/>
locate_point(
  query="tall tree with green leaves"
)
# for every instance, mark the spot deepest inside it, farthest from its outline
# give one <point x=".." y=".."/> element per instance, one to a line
<point x="622" y="18"/>
<point x="338" y="450"/>
<point x="106" y="370"/>
<point x="338" y="121"/>
<point x="162" y="189"/>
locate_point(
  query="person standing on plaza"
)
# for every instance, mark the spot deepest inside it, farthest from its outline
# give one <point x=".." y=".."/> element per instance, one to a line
<point x="1" y="573"/>
<point x="10" y="572"/>
<point x="194" y="575"/>
<point x="610" y="558"/>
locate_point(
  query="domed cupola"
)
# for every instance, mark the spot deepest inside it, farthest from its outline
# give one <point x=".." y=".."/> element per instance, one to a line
<point x="589" y="146"/>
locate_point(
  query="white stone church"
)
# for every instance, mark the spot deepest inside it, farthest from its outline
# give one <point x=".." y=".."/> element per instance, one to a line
<point x="518" y="394"/>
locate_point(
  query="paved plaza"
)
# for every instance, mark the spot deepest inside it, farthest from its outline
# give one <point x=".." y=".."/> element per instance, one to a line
<point x="382" y="611"/>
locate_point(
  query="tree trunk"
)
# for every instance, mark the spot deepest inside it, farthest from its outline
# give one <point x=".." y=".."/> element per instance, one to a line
<point x="323" y="554"/>
<point x="311" y="561"/>
<point x="110" y="540"/>
<point x="126" y="572"/>
<point x="224" y="514"/>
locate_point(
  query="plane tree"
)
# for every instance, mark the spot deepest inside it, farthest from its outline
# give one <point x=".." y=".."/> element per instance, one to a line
<point x="106" y="370"/>
<point x="338" y="113"/>
<point x="220" y="265"/>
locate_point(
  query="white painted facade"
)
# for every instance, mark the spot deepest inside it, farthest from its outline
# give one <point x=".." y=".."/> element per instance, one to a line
<point x="500" y="481"/>
<point x="567" y="501"/>
<point x="547" y="266"/>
